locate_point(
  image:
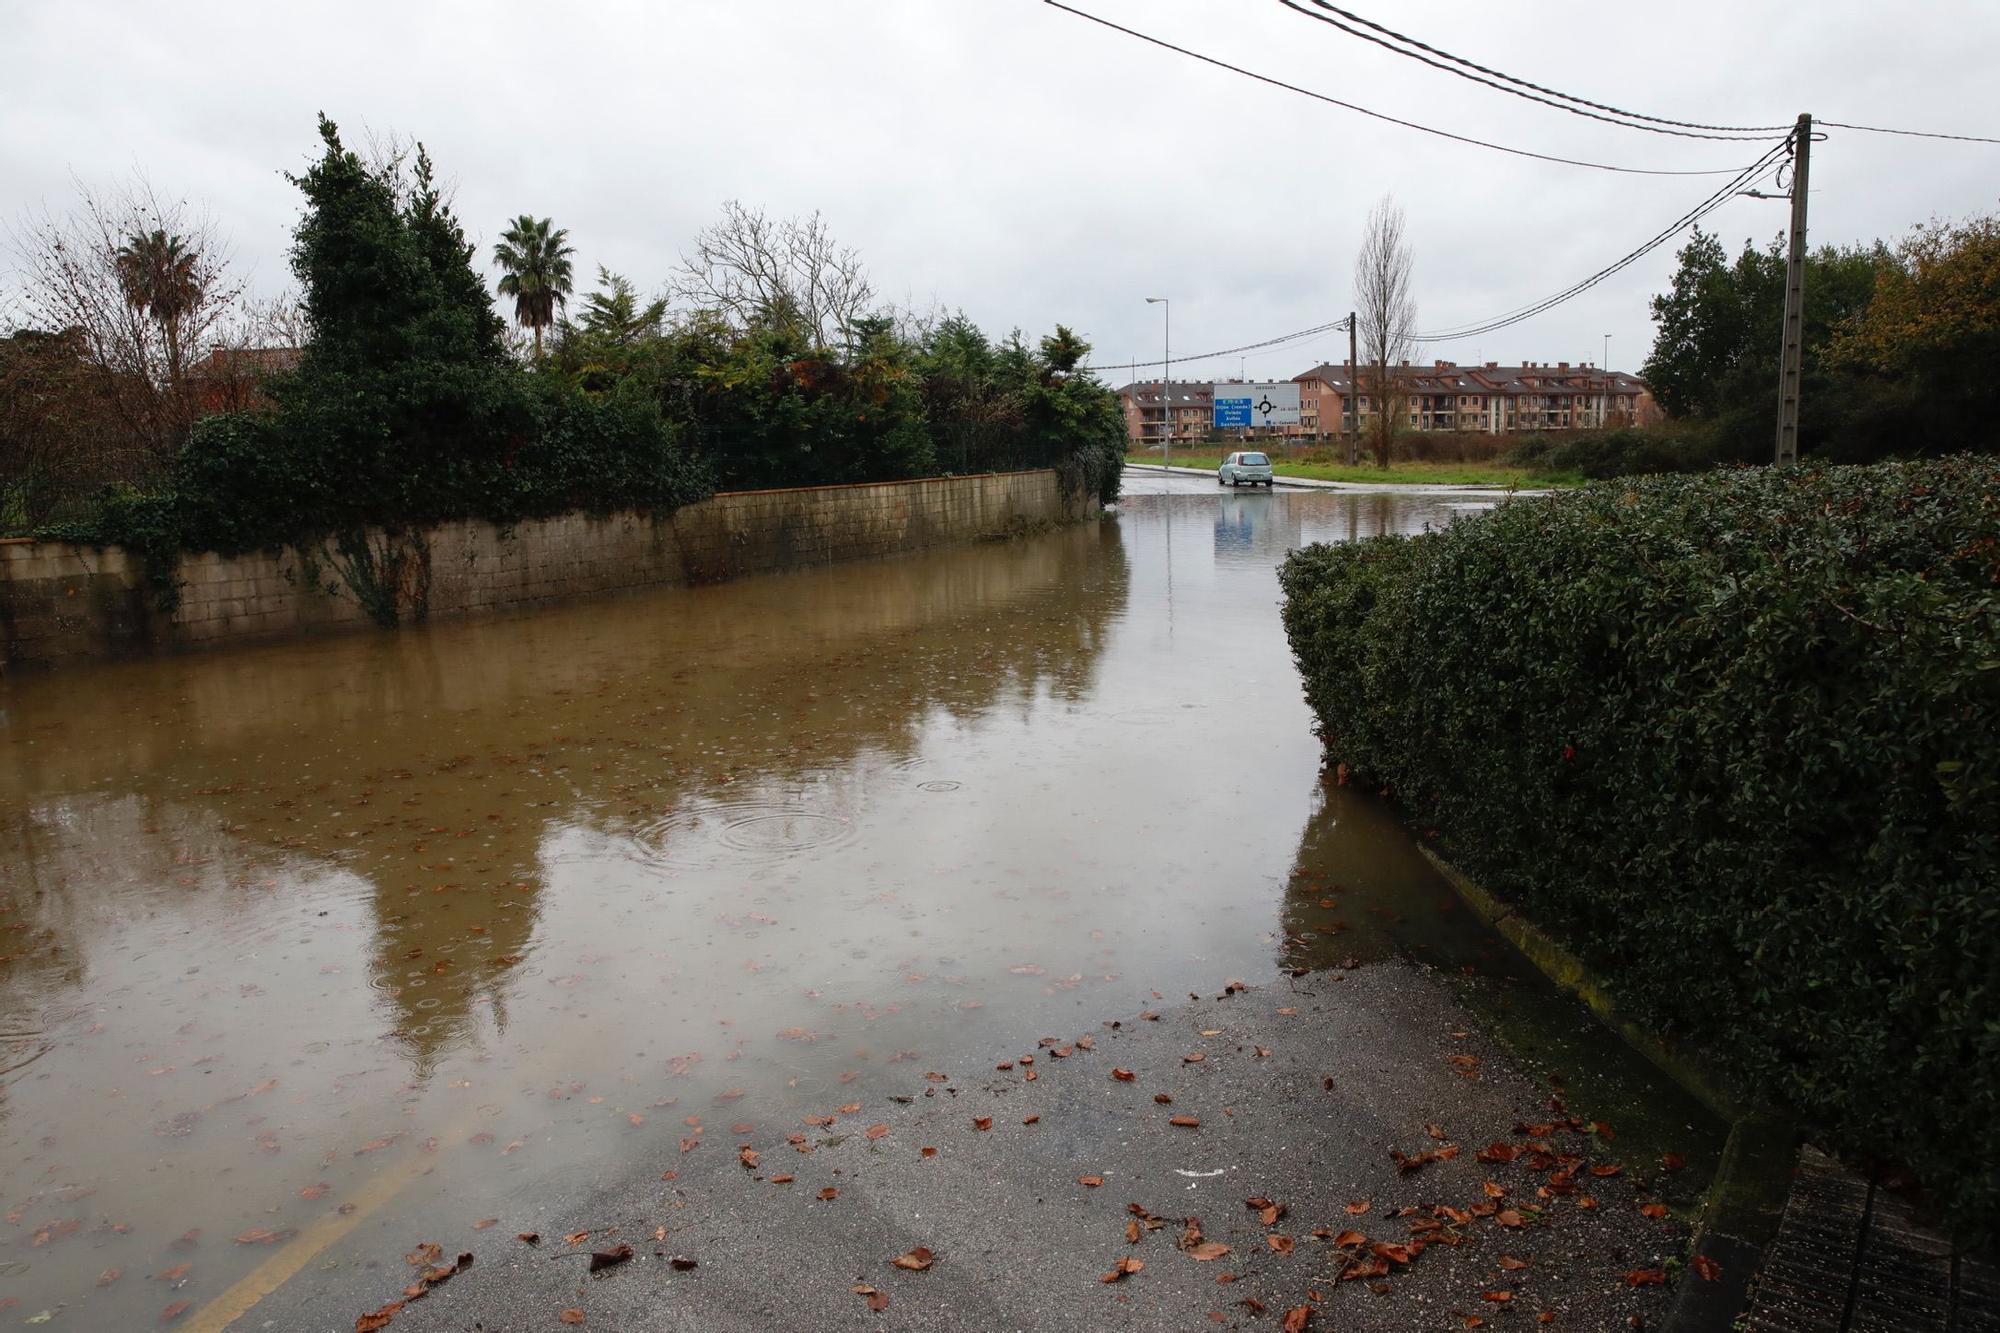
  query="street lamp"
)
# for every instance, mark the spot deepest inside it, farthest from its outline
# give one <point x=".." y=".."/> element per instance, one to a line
<point x="1604" y="404"/>
<point x="1166" y="380"/>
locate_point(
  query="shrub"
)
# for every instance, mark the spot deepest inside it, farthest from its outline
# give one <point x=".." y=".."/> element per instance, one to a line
<point x="1736" y="740"/>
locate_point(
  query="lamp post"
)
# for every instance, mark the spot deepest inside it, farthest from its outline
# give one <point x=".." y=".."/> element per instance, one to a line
<point x="1166" y="380"/>
<point x="1604" y="366"/>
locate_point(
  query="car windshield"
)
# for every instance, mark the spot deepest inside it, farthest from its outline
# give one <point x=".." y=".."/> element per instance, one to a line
<point x="1254" y="460"/>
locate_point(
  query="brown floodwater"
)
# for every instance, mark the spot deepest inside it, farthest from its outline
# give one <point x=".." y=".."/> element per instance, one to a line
<point x="421" y="924"/>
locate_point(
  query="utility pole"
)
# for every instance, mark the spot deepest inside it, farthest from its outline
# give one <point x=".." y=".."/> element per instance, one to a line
<point x="1792" y="353"/>
<point x="1353" y="413"/>
<point x="1166" y="381"/>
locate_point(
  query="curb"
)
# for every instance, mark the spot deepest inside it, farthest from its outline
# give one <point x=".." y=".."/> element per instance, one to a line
<point x="1740" y="1214"/>
<point x="1356" y="487"/>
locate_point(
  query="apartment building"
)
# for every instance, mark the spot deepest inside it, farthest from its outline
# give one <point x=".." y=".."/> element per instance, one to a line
<point x="1489" y="399"/>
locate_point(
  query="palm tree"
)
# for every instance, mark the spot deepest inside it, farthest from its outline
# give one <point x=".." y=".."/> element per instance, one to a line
<point x="536" y="259"/>
<point x="161" y="277"/>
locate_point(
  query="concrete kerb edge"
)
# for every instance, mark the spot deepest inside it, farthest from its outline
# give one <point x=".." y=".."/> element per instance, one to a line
<point x="1741" y="1210"/>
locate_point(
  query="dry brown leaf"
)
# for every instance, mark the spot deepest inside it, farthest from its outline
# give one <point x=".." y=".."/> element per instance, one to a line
<point x="1123" y="1075"/>
<point x="1656" y="1211"/>
<point x="829" y="1193"/>
<point x="1184" y="1121"/>
<point x="1124" y="1266"/>
<point x="916" y="1260"/>
<point x="1499" y="1297"/>
<point x="1646" y="1277"/>
<point x="610" y="1258"/>
<point x="1710" y="1270"/>
<point x="1207" y="1250"/>
<point x="571" y="1316"/>
<point x="1297" y="1317"/>
<point x="878" y="1131"/>
<point x="530" y="1237"/>
<point x="1360" y="1206"/>
<point x="1090" y="1182"/>
<point x="982" y="1122"/>
<point x="1511" y="1264"/>
<point x="1279" y="1244"/>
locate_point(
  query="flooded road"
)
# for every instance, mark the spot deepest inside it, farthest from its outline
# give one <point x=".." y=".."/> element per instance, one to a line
<point x="388" y="935"/>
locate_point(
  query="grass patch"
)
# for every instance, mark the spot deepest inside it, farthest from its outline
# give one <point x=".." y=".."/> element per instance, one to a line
<point x="1411" y="472"/>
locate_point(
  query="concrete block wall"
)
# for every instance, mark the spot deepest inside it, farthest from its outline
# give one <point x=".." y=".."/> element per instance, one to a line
<point x="61" y="603"/>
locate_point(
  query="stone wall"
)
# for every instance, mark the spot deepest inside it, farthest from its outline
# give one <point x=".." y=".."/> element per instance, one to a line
<point x="63" y="603"/>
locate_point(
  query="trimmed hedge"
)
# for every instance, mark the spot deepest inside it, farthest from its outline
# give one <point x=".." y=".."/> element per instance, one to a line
<point x="1736" y="740"/>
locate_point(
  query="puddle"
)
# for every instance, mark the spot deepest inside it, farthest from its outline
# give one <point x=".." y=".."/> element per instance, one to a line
<point x="439" y="923"/>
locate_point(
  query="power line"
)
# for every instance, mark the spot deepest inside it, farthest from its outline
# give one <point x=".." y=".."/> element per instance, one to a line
<point x="1722" y="131"/>
<point x="1390" y="38"/>
<point x="1313" y="332"/>
<point x="1915" y="134"/>
<point x="1747" y="176"/>
<point x="1377" y="115"/>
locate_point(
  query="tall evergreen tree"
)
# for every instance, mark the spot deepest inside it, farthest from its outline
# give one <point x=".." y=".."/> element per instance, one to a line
<point x="534" y="257"/>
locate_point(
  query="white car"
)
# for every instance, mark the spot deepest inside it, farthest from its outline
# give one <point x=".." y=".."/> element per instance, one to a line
<point x="1239" y="468"/>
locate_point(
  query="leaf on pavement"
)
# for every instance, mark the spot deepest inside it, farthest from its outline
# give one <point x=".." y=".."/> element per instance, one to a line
<point x="916" y="1260"/>
<point x="1123" y="1267"/>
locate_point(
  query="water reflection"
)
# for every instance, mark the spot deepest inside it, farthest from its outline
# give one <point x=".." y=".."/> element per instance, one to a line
<point x="470" y="909"/>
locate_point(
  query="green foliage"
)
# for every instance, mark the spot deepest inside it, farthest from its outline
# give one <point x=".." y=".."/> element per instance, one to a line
<point x="1896" y="345"/>
<point x="1623" y="451"/>
<point x="1736" y="740"/>
<point x="534" y="258"/>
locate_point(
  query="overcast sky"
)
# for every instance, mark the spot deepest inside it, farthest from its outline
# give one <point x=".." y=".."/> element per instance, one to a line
<point x="1006" y="158"/>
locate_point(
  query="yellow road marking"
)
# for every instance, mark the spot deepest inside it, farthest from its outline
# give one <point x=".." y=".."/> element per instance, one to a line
<point x="283" y="1266"/>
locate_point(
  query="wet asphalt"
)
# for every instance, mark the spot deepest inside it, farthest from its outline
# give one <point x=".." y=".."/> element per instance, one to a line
<point x="1302" y="1091"/>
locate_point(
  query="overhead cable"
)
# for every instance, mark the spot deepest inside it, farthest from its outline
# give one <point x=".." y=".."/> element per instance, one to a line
<point x="1313" y="332"/>
<point x="1410" y="47"/>
<point x="1377" y="115"/>
<point x="1769" y="161"/>
<point x="1914" y="134"/>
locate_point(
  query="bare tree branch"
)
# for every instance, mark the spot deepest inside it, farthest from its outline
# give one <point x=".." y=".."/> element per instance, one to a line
<point x="791" y="272"/>
<point x="1386" y="316"/>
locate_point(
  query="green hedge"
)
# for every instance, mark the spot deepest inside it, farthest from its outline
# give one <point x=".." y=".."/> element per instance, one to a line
<point x="1735" y="739"/>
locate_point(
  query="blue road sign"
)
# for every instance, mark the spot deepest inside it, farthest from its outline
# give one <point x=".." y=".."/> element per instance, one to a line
<point x="1233" y="411"/>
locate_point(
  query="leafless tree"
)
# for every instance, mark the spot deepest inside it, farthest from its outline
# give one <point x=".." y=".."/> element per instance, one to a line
<point x="755" y="270"/>
<point x="1387" y="318"/>
<point x="143" y="286"/>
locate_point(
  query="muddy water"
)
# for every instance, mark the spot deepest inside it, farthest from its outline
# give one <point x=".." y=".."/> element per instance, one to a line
<point x="405" y="932"/>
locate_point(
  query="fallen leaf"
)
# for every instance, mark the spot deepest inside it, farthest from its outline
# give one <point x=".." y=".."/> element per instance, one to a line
<point x="747" y="1156"/>
<point x="1123" y="1267"/>
<point x="1710" y="1270"/>
<point x="1270" y="1214"/>
<point x="168" y="1315"/>
<point x="783" y="1180"/>
<point x="1184" y="1121"/>
<point x="109" y="1276"/>
<point x="1297" y="1317"/>
<point x="1507" y="1217"/>
<point x="485" y="1222"/>
<point x="1279" y="1244"/>
<point x="610" y="1258"/>
<point x="174" y="1274"/>
<point x="916" y="1260"/>
<point x="1496" y="1296"/>
<point x="1090" y="1182"/>
<point x="1511" y="1264"/>
<point x="1673" y="1161"/>
<point x="1193" y="1059"/>
<point x="571" y="1316"/>
<point x="681" y="1265"/>
<point x="1207" y="1250"/>
<point x="1493" y="1191"/>
<point x="1347" y="1239"/>
<point x="531" y="1237"/>
<point x="577" y="1237"/>
<point x="878" y="1131"/>
<point x="1132" y="1232"/>
<point x="1656" y="1211"/>
<point x="829" y="1193"/>
<point x="982" y="1122"/>
<point x="1123" y="1075"/>
<point x="262" y="1237"/>
<point x="635" y="1118"/>
<point x="1163" y="1099"/>
<point x="1360" y="1206"/>
<point x="376" y="1320"/>
<point x="1646" y="1277"/>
